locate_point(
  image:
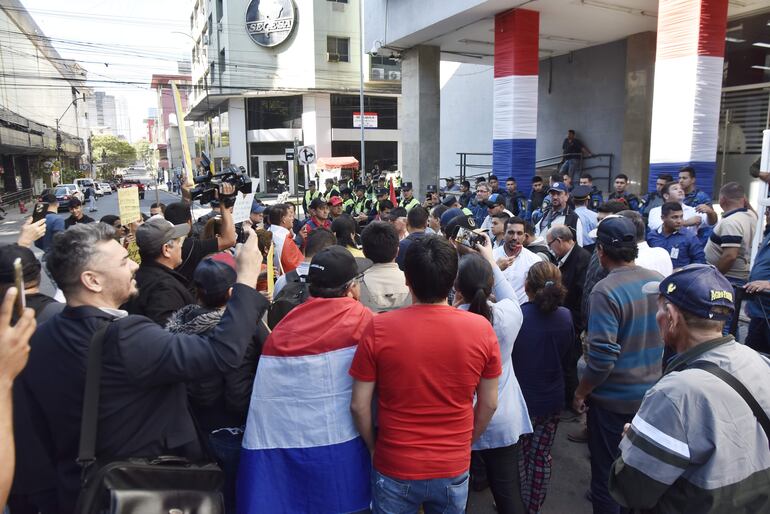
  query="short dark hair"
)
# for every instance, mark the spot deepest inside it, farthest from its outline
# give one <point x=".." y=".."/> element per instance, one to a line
<point x="665" y="176"/>
<point x="611" y="207"/>
<point x="212" y="300"/>
<point x="666" y="189"/>
<point x="493" y="177"/>
<point x="344" y="228"/>
<point x="516" y="220"/>
<point x="417" y="217"/>
<point x="622" y="254"/>
<point x="278" y="212"/>
<point x="688" y="169"/>
<point x="72" y="253"/>
<point x="161" y="206"/>
<point x="384" y="204"/>
<point x="502" y="216"/>
<point x="511" y="179"/>
<point x="556" y="177"/>
<point x="398" y="212"/>
<point x="439" y="210"/>
<point x="430" y="266"/>
<point x="669" y="207"/>
<point x="466" y="183"/>
<point x="380" y="242"/>
<point x="570" y="131"/>
<point x="622" y="176"/>
<point x="317" y="240"/>
<point x="178" y="213"/>
<point x="587" y="176"/>
<point x="537" y="178"/>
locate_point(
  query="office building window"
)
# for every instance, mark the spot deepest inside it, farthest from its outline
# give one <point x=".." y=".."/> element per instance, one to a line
<point x="382" y="109"/>
<point x="220" y="9"/>
<point x="274" y="113"/>
<point x="338" y="49"/>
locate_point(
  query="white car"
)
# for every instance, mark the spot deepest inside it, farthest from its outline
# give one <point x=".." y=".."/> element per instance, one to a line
<point x="105" y="187"/>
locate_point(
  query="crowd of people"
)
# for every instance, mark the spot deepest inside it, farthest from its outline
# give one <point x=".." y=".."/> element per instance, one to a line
<point x="396" y="353"/>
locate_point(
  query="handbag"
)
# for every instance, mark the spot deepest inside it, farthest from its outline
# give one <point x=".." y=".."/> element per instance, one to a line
<point x="163" y="484"/>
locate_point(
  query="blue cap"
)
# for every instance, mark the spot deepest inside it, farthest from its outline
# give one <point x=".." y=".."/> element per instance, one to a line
<point x="448" y="215"/>
<point x="214" y="277"/>
<point x="616" y="231"/>
<point x="697" y="289"/>
<point x="257" y="207"/>
<point x="495" y="199"/>
<point x="559" y="186"/>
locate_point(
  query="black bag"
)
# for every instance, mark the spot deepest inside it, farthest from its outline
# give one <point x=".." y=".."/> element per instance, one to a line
<point x="295" y="292"/>
<point x="162" y="484"/>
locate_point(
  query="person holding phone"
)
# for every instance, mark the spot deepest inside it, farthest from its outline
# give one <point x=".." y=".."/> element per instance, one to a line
<point x="53" y="223"/>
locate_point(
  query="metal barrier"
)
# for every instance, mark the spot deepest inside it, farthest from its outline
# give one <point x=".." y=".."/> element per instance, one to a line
<point x="15" y="197"/>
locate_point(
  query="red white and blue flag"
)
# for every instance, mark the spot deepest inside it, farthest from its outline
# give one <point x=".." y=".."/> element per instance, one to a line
<point x="301" y="451"/>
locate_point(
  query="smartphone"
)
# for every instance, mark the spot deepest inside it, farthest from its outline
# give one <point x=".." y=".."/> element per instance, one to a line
<point x="41" y="209"/>
<point x="468" y="238"/>
<point x="18" y="279"/>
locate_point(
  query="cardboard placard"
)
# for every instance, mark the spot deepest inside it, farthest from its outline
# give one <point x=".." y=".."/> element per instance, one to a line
<point x="242" y="207"/>
<point x="128" y="205"/>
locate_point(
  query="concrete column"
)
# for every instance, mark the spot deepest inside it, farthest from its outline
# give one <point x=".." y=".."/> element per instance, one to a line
<point x="515" y="102"/>
<point x="239" y="153"/>
<point x="317" y="126"/>
<point x="419" y="117"/>
<point x="688" y="83"/>
<point x="637" y="119"/>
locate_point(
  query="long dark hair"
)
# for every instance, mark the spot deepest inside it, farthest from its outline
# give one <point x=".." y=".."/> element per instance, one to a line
<point x="543" y="283"/>
<point x="344" y="228"/>
<point x="475" y="281"/>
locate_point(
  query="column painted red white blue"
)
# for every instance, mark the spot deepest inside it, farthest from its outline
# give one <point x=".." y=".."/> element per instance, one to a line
<point x="688" y="85"/>
<point x="515" y="99"/>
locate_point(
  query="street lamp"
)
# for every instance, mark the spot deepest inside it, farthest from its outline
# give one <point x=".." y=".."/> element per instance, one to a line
<point x="58" y="121"/>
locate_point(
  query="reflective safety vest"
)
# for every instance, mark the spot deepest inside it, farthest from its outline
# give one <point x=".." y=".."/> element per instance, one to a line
<point x="362" y="205"/>
<point x="409" y="204"/>
<point x="310" y="196"/>
<point x="347" y="205"/>
<point x="328" y="194"/>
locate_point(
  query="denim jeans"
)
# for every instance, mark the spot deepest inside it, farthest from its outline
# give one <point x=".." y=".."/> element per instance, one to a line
<point x="225" y="445"/>
<point x="436" y="495"/>
<point x="605" y="430"/>
<point x="570" y="166"/>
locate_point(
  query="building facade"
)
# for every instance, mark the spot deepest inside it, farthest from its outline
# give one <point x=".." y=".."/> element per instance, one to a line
<point x="165" y="139"/>
<point x="269" y="73"/>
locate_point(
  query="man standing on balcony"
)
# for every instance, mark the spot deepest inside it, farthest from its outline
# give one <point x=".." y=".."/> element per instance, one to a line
<point x="572" y="150"/>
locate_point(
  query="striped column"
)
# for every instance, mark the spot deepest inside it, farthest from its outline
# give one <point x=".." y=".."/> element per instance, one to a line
<point x="688" y="84"/>
<point x="515" y="104"/>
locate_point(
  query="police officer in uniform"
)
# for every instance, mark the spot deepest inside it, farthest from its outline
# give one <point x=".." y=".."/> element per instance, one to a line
<point x="408" y="201"/>
<point x="347" y="201"/>
<point x="331" y="190"/>
<point x="362" y="205"/>
<point x="311" y="194"/>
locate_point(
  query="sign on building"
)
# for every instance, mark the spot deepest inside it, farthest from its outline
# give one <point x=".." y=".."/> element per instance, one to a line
<point x="270" y="22"/>
<point x="370" y="120"/>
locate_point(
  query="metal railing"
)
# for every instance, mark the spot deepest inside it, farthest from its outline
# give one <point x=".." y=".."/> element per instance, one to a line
<point x="13" y="198"/>
<point x="600" y="166"/>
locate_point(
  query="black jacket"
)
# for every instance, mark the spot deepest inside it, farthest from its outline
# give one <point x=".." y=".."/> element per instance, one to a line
<point x="221" y="400"/>
<point x="162" y="291"/>
<point x="143" y="409"/>
<point x="573" y="276"/>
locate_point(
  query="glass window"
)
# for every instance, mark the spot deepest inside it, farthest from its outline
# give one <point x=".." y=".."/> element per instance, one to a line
<point x="338" y="48"/>
<point x="220" y="9"/>
<point x="384" y="68"/>
<point x="274" y="112"/>
<point x="343" y="107"/>
<point x="224" y="128"/>
<point x="747" y="51"/>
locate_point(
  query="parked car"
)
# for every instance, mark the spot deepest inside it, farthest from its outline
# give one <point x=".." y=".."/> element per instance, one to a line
<point x="134" y="182"/>
<point x="77" y="192"/>
<point x="64" y="193"/>
<point x="106" y="188"/>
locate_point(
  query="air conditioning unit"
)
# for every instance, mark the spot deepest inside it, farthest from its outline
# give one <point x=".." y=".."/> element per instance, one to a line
<point x="394" y="75"/>
<point x="338" y="6"/>
<point x="333" y="57"/>
<point x="378" y="74"/>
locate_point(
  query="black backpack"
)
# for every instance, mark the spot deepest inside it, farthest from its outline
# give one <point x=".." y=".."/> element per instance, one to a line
<point x="294" y="293"/>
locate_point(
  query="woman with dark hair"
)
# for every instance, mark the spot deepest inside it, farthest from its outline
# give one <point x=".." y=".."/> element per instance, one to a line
<point x="478" y="276"/>
<point x="538" y="354"/>
<point x="344" y="228"/>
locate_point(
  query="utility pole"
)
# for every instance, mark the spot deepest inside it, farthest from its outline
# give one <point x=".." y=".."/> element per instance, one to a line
<point x="361" y="94"/>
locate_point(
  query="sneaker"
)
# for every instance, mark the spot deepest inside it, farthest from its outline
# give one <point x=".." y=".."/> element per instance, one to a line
<point x="579" y="436"/>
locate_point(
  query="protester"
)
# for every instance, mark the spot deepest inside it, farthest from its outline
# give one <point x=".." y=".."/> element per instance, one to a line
<point x="287" y="256"/>
<point x="397" y="217"/>
<point x="538" y="353"/>
<point x="53" y="223"/>
<point x="465" y="193"/>
<point x="536" y="244"/>
<point x="655" y="259"/>
<point x="729" y="247"/>
<point x="695" y="443"/>
<point x="157" y="208"/>
<point x="43" y="305"/>
<point x="478" y="204"/>
<point x="257" y="214"/>
<point x="162" y="291"/>
<point x="513" y="259"/>
<point x="142" y="399"/>
<point x="559" y="213"/>
<point x="416" y="226"/>
<point x="425" y="415"/>
<point x="495" y="205"/>
<point x="383" y="286"/>
<point x="536" y="197"/>
<point x="450" y="187"/>
<point x="624" y="351"/>
<point x="335" y="207"/>
<point x="304" y="455"/>
<point x="682" y="247"/>
<point x="499" y="446"/>
<point x="497" y="229"/>
<point x="620" y="193"/>
<point x="434" y="220"/>
<point x="494" y="186"/>
<point x="319" y="217"/>
<point x="76" y="214"/>
<point x="692" y="195"/>
<point x="316" y="242"/>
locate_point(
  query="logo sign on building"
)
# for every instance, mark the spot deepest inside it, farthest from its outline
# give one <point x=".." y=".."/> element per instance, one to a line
<point x="370" y="120"/>
<point x="270" y="22"/>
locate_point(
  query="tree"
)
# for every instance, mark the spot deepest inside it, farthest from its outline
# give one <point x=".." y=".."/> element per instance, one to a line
<point x="144" y="152"/>
<point x="112" y="153"/>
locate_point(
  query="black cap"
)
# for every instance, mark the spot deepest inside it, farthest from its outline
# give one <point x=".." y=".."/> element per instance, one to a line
<point x="317" y="203"/>
<point x="450" y="200"/>
<point x="463" y="220"/>
<point x="334" y="267"/>
<point x="406" y="186"/>
<point x="49" y="198"/>
<point x="581" y="192"/>
<point x="698" y="289"/>
<point x="382" y="191"/>
<point x="30" y="266"/>
<point x="360" y="187"/>
<point x="214" y="277"/>
<point x="345" y="191"/>
<point x="616" y="231"/>
<point x="449" y="179"/>
<point x="431" y="188"/>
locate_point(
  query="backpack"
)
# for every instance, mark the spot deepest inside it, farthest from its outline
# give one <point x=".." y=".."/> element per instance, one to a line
<point x="294" y="293"/>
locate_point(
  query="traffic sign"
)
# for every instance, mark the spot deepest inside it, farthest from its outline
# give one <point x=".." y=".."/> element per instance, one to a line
<point x="289" y="154"/>
<point x="307" y="155"/>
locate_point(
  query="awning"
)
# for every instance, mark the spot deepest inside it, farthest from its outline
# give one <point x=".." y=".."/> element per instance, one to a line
<point x="328" y="163"/>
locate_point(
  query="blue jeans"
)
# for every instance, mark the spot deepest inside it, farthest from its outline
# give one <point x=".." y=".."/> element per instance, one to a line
<point x="605" y="430"/>
<point x="570" y="166"/>
<point x="436" y="495"/>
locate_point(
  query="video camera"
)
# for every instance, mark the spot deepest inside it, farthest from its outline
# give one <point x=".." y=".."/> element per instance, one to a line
<point x="208" y="187"/>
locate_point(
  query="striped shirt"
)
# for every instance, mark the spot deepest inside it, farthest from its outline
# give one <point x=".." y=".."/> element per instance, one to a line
<point x="625" y="349"/>
<point x="695" y="445"/>
<point x="734" y="230"/>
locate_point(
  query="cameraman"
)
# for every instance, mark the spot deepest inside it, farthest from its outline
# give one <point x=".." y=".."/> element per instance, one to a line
<point x="195" y="249"/>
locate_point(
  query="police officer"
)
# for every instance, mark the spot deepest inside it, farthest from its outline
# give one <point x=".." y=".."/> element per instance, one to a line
<point x="311" y="194"/>
<point x="595" y="197"/>
<point x="347" y="201"/>
<point x="331" y="190"/>
<point x="408" y="201"/>
<point x="362" y="205"/>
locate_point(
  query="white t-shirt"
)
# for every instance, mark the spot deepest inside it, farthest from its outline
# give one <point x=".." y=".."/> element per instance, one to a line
<point x="655" y="259"/>
<point x="655" y="221"/>
<point x="516" y="273"/>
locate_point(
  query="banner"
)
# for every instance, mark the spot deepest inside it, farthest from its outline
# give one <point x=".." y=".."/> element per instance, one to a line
<point x="182" y="132"/>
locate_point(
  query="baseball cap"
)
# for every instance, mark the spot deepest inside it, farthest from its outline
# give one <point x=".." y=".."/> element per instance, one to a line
<point x="257" y="207"/>
<point x="360" y="187"/>
<point x="448" y="215"/>
<point x="449" y="179"/>
<point x="698" y="289"/>
<point x="30" y="266"/>
<point x="616" y="231"/>
<point x="494" y="200"/>
<point x="406" y="186"/>
<point x="463" y="220"/>
<point x="316" y="203"/>
<point x="559" y="186"/>
<point x="335" y="200"/>
<point x="431" y="188"/>
<point x="335" y="266"/>
<point x="153" y="234"/>
<point x="213" y="276"/>
<point x="581" y="192"/>
<point x="450" y="200"/>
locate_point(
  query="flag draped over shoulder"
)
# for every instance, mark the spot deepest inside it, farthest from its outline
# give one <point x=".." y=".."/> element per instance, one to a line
<point x="301" y="451"/>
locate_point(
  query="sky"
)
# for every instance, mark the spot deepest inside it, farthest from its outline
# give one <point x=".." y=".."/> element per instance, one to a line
<point x="119" y="41"/>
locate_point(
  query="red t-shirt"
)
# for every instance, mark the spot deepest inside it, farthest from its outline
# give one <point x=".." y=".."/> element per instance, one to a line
<point x="427" y="361"/>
